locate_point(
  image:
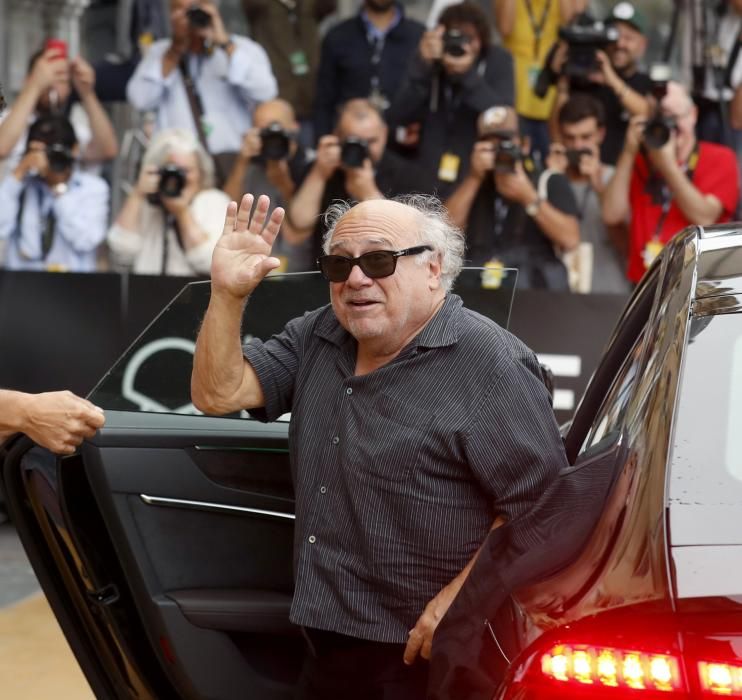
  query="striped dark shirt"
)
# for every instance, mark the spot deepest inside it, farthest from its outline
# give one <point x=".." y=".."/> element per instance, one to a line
<point x="400" y="473"/>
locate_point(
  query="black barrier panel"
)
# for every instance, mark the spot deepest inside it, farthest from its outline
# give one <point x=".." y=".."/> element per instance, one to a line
<point x="66" y="330"/>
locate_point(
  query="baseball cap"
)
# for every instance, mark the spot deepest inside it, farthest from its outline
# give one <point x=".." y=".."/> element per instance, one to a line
<point x="626" y="12"/>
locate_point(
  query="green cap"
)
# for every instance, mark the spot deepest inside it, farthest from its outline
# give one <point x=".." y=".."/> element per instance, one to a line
<point x="626" y="12"/>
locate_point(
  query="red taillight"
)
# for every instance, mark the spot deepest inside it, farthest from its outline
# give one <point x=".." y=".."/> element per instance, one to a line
<point x="611" y="668"/>
<point x="720" y="679"/>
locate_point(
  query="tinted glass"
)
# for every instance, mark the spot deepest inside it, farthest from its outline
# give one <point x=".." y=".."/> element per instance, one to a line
<point x="609" y="419"/>
<point x="706" y="480"/>
<point x="155" y="372"/>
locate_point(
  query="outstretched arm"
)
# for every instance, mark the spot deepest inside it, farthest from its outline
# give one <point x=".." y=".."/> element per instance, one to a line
<point x="222" y="380"/>
<point x="57" y="420"/>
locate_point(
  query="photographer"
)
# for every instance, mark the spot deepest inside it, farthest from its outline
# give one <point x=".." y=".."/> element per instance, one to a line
<point x="352" y="164"/>
<point x="614" y="78"/>
<point x="271" y="161"/>
<point x="514" y="215"/>
<point x="364" y="57"/>
<point x="53" y="216"/>
<point x="456" y="75"/>
<point x="203" y="79"/>
<point x="528" y="28"/>
<point x="52" y="82"/>
<point x="666" y="179"/>
<point x="172" y="218"/>
<point x="597" y="264"/>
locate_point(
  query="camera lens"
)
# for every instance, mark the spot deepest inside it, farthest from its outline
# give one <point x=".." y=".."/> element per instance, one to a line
<point x="354" y="152"/>
<point x="172" y="181"/>
<point x="197" y="17"/>
<point x="454" y="43"/>
<point x="275" y="142"/>
<point x="59" y="157"/>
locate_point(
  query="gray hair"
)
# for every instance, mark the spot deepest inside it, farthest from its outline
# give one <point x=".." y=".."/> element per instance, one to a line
<point x="169" y="141"/>
<point x="436" y="229"/>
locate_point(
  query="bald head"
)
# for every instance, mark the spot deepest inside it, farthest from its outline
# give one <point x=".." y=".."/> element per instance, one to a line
<point x="677" y="101"/>
<point x="382" y="220"/>
<point x="279" y="111"/>
<point x="500" y="118"/>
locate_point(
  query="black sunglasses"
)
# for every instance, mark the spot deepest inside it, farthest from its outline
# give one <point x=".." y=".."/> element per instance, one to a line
<point x="374" y="264"/>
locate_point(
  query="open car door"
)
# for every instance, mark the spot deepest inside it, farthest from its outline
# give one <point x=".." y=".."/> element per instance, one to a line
<point x="164" y="544"/>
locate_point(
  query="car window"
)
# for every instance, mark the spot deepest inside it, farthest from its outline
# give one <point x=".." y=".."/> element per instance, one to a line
<point x="154" y="374"/>
<point x="609" y="419"/>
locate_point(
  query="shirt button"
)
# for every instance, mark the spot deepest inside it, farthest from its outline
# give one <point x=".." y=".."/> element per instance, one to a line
<point x="349" y="391"/>
<point x="323" y="489"/>
<point x="335" y="440"/>
<point x="312" y="539"/>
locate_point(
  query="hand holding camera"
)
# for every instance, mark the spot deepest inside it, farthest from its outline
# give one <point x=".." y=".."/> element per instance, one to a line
<point x="482" y="159"/>
<point x="205" y="21"/>
<point x="50" y="68"/>
<point x="251" y="144"/>
<point x="360" y="182"/>
<point x="431" y="45"/>
<point x="83" y="77"/>
<point x="34" y="162"/>
<point x="458" y="53"/>
<point x="515" y="186"/>
<point x="328" y="156"/>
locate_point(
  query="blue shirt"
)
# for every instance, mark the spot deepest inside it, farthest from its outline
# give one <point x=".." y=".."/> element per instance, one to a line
<point x="80" y="218"/>
<point x="229" y="87"/>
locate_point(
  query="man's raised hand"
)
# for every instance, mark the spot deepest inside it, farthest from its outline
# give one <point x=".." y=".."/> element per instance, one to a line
<point x="242" y="257"/>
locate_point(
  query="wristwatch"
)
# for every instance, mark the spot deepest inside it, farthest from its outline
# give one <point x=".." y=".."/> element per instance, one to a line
<point x="533" y="207"/>
<point x="224" y="45"/>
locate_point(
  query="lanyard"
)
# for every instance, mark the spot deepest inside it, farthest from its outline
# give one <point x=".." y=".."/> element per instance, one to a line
<point x="537" y="26"/>
<point x="291" y="7"/>
<point x="377" y="48"/>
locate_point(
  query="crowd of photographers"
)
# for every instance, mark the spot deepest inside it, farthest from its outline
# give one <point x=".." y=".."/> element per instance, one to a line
<point x="552" y="148"/>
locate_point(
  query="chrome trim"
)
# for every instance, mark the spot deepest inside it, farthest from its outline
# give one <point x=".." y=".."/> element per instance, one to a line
<point x="497" y="641"/>
<point x="219" y="507"/>
<point x="718" y="231"/>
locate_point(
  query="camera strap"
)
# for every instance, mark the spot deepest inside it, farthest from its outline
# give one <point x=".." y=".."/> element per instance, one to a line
<point x="197" y="111"/>
<point x="169" y="222"/>
<point x="537" y="25"/>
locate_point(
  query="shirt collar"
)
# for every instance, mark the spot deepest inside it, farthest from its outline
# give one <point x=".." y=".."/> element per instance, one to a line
<point x="441" y="331"/>
<point x="376" y="34"/>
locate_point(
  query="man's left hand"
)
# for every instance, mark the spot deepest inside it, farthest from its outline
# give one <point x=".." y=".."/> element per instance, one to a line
<point x="515" y="186"/>
<point x="83" y="76"/>
<point x="665" y="158"/>
<point x="421" y="635"/>
<point x="215" y="32"/>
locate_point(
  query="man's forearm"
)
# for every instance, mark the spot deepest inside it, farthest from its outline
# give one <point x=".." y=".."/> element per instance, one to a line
<point x="504" y="11"/>
<point x="104" y="144"/>
<point x="560" y="228"/>
<point x="697" y="207"/>
<point x="12" y="408"/>
<point x="15" y="123"/>
<point x="220" y="383"/>
<point x="616" y="193"/>
<point x="305" y="206"/>
<point x="460" y="202"/>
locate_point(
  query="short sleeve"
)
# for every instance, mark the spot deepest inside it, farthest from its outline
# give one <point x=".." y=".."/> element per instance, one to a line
<point x="719" y="177"/>
<point x="514" y="447"/>
<point x="560" y="195"/>
<point x="276" y="363"/>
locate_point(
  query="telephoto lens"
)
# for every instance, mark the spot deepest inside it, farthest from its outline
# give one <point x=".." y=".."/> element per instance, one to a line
<point x="275" y="142"/>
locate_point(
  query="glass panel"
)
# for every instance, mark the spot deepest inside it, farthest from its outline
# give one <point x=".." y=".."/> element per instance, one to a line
<point x="154" y="374"/>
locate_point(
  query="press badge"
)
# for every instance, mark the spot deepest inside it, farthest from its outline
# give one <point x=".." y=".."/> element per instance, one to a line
<point x="448" y="170"/>
<point x="492" y="274"/>
<point x="651" y="251"/>
<point x="299" y="63"/>
<point x="533" y="72"/>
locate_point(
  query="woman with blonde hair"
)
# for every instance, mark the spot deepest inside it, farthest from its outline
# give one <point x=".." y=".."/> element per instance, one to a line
<point x="173" y="216"/>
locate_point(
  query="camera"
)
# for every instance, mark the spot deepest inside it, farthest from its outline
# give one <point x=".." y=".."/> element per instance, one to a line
<point x="275" y="142"/>
<point x="198" y="18"/>
<point x="507" y="154"/>
<point x="60" y="157"/>
<point x="454" y="43"/>
<point x="584" y="37"/>
<point x="171" y="184"/>
<point x="574" y="156"/>
<point x="658" y="129"/>
<point x="353" y="152"/>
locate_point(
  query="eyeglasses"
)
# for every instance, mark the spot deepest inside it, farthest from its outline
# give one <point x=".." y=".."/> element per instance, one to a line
<point x="374" y="264"/>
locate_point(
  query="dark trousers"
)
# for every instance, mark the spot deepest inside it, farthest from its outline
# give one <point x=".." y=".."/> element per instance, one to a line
<point x="339" y="666"/>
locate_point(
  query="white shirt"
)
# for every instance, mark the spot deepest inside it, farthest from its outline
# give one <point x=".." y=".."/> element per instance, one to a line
<point x="229" y="86"/>
<point x="142" y="250"/>
<point x="729" y="29"/>
<point x="80" y="216"/>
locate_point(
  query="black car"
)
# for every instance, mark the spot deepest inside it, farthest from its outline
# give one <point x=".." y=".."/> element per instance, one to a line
<point x="164" y="545"/>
